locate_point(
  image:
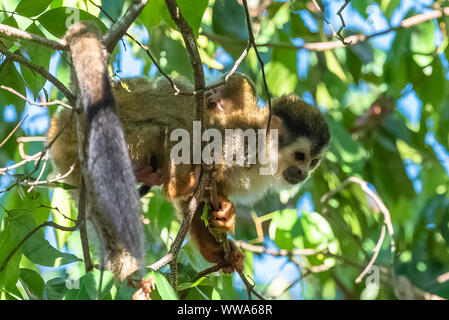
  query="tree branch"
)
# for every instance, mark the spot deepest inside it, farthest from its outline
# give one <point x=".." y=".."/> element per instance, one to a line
<point x="277" y="253"/>
<point x="11" y="32"/>
<point x="119" y="29"/>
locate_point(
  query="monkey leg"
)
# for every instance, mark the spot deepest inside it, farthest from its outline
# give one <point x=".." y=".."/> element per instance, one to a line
<point x="181" y="180"/>
<point x="211" y="250"/>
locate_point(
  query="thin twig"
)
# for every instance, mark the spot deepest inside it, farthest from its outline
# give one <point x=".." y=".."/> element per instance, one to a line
<point x="21" y="163"/>
<point x="88" y="264"/>
<point x="374" y="257"/>
<point x="354" y="39"/>
<point x="343" y="25"/>
<point x="13" y="130"/>
<point x="252" y="40"/>
<point x="44" y="165"/>
<point x="38" y="157"/>
<point x="39" y="104"/>
<point x="58" y="177"/>
<point x="317" y="6"/>
<point x="386" y="213"/>
<point x="277" y="253"/>
<point x="250" y="287"/>
<point x="364" y="185"/>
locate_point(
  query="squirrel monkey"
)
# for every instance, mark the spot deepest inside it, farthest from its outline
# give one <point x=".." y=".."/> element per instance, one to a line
<point x="149" y="113"/>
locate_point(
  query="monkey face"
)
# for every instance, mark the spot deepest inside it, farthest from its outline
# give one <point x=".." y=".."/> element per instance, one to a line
<point x="297" y="160"/>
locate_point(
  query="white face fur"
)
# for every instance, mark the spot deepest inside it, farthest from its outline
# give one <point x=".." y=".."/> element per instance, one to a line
<point x="296" y="161"/>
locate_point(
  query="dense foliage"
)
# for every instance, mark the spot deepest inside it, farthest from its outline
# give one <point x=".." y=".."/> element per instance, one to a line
<point x="386" y="100"/>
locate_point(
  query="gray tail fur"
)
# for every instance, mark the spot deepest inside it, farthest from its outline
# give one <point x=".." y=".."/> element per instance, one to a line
<point x="114" y="204"/>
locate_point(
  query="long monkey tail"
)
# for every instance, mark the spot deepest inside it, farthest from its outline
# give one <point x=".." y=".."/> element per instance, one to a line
<point x="114" y="204"/>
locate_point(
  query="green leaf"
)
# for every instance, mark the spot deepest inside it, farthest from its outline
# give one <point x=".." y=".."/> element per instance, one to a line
<point x="283" y="228"/>
<point x="10" y="21"/>
<point x="33" y="281"/>
<point x="228" y="19"/>
<point x="275" y="71"/>
<point x="163" y="286"/>
<point x="360" y="6"/>
<point x="31" y="8"/>
<point x="187" y="285"/>
<point x="422" y="41"/>
<point x="56" y="21"/>
<point x="193" y="257"/>
<point x="10" y="274"/>
<point x="389" y="7"/>
<point x="9" y="77"/>
<point x="396" y="68"/>
<point x="114" y="8"/>
<point x="55" y="289"/>
<point x="172" y="53"/>
<point x="355" y="65"/>
<point x="63" y="202"/>
<point x="348" y="151"/>
<point x="317" y="232"/>
<point x="393" y="182"/>
<point x="296" y="5"/>
<point x="90" y="284"/>
<point x="334" y="66"/>
<point x="154" y="13"/>
<point x="297" y="26"/>
<point x="36" y="248"/>
<point x="38" y="55"/>
<point x="193" y="11"/>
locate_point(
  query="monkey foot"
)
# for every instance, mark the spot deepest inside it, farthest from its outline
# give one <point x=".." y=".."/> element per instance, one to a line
<point x="222" y="221"/>
<point x="235" y="259"/>
<point x="145" y="287"/>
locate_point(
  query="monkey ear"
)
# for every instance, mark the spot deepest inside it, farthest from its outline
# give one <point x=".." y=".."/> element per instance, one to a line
<point x="276" y="123"/>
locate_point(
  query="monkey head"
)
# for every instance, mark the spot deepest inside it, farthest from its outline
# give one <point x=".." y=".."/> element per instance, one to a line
<point x="303" y="138"/>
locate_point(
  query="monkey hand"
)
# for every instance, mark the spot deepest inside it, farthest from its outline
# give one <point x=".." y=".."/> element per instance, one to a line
<point x="223" y="220"/>
<point x="148" y="176"/>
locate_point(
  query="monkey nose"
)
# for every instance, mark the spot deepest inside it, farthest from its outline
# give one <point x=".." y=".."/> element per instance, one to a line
<point x="294" y="175"/>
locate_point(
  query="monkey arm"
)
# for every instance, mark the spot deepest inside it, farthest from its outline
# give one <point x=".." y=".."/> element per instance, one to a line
<point x="211" y="250"/>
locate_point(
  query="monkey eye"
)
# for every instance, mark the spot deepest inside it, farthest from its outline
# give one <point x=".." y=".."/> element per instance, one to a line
<point x="313" y="163"/>
<point x="299" y="156"/>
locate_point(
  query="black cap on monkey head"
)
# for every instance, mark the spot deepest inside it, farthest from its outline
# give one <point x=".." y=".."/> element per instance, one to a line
<point x="300" y="119"/>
